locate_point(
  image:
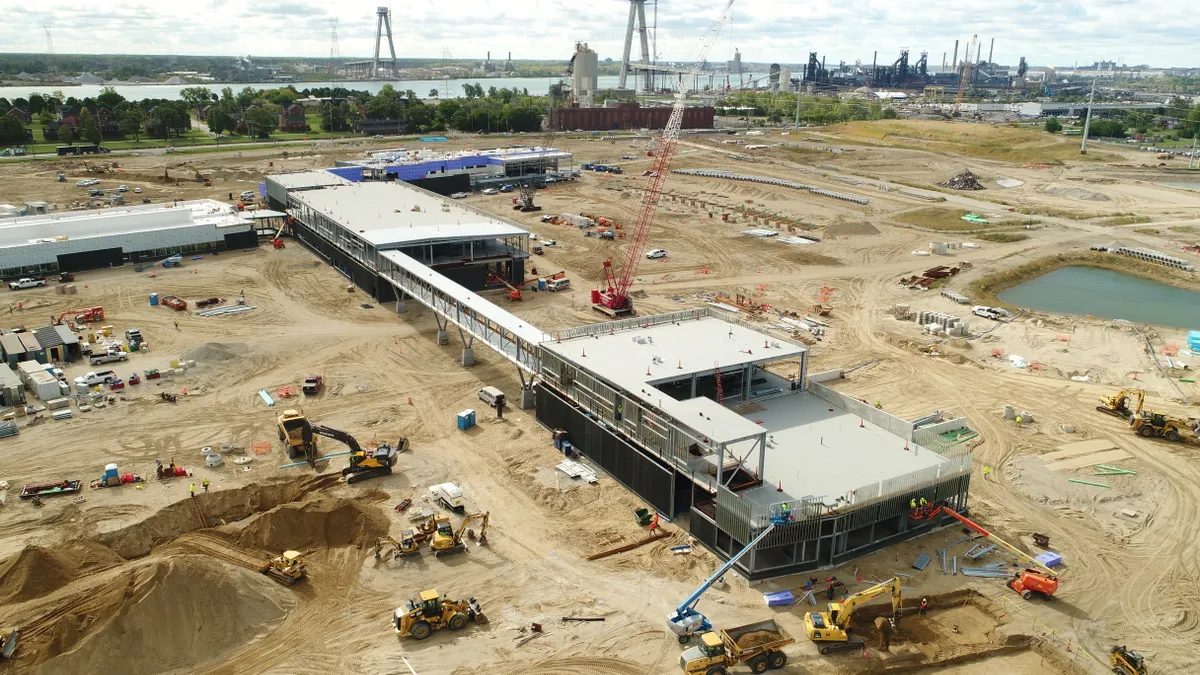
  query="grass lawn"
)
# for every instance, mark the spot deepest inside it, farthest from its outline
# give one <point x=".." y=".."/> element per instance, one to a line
<point x="989" y="141"/>
<point x="935" y="218"/>
<point x="1001" y="237"/>
<point x="1123" y="220"/>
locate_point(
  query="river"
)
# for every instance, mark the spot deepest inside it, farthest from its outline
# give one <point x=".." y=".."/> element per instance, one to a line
<point x="1107" y="294"/>
<point x="447" y="88"/>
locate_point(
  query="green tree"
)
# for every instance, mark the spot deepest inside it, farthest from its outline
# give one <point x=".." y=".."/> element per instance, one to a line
<point x="11" y="130"/>
<point x="131" y="122"/>
<point x="220" y="121"/>
<point x="36" y="104"/>
<point x="66" y="135"/>
<point x="889" y="114"/>
<point x="88" y="129"/>
<point x="260" y="122"/>
<point x="46" y="117"/>
<point x="196" y="97"/>
<point x="1053" y="126"/>
<point x="109" y="97"/>
<point x="433" y="93"/>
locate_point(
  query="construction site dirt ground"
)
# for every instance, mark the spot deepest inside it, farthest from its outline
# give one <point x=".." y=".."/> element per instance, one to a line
<point x="127" y="581"/>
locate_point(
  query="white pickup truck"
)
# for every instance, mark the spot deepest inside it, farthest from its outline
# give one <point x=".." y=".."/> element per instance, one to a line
<point x="94" y="378"/>
<point x="111" y="356"/>
<point x="26" y="282"/>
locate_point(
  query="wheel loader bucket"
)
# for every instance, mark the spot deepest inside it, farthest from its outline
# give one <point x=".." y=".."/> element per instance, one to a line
<point x="10" y="644"/>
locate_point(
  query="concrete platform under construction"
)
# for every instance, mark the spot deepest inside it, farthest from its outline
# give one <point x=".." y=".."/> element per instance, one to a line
<point x="818" y="451"/>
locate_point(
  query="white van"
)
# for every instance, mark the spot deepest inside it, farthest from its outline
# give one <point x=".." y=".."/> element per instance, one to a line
<point x="491" y="396"/>
<point x="558" y="284"/>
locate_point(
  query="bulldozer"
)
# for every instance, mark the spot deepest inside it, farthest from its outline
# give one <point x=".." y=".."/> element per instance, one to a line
<point x="1117" y="405"/>
<point x="287" y="569"/>
<point x="435" y="612"/>
<point x="1160" y="425"/>
<point x="8" y="642"/>
<point x="448" y="541"/>
<point x="1126" y="661"/>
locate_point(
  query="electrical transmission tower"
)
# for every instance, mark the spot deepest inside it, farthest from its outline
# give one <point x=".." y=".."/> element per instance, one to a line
<point x="335" y="54"/>
<point x="384" y="22"/>
<point x="50" y="51"/>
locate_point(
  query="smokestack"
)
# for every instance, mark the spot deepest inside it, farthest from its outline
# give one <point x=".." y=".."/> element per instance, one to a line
<point x="510" y="53"/>
<point x="943" y="62"/>
<point x="489" y="58"/>
<point x="991" y="49"/>
<point x="874" y="61"/>
<point x="955" y="61"/>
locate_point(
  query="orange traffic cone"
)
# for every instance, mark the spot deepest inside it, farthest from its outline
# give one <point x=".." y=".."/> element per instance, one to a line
<point x="680" y="366"/>
<point x="860" y="424"/>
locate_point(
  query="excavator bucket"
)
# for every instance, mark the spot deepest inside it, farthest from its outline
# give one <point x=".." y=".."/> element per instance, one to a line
<point x="10" y="644"/>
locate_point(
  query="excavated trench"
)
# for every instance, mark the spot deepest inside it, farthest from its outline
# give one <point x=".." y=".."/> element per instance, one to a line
<point x="161" y="596"/>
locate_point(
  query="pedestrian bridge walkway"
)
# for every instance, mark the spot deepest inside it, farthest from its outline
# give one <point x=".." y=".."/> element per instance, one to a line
<point x="475" y="317"/>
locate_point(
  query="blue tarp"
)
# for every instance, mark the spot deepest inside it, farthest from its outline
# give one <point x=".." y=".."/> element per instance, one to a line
<point x="779" y="598"/>
<point x="1050" y="559"/>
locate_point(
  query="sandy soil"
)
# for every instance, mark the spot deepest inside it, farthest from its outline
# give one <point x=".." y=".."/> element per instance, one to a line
<point x="82" y="578"/>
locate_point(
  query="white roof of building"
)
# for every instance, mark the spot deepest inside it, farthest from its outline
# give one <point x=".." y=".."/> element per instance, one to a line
<point x="394" y="213"/>
<point x="62" y="225"/>
<point x="637" y="359"/>
<point x="307" y="179"/>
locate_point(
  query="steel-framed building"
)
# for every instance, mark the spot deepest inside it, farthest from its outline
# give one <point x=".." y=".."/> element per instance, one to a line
<point x="65" y="241"/>
<point x="355" y="226"/>
<point x="640" y="397"/>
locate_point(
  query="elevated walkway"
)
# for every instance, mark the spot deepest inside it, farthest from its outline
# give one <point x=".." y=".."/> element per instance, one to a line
<point x="475" y="317"/>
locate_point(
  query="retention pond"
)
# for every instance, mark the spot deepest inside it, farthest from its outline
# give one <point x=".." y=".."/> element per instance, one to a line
<point x="1107" y="294"/>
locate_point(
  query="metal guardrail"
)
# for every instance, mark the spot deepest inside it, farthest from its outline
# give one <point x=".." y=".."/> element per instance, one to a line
<point x="514" y="342"/>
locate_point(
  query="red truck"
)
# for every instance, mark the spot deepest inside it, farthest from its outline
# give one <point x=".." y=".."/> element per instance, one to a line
<point x="312" y="385"/>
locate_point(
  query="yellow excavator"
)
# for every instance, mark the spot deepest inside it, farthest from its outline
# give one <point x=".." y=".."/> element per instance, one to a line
<point x="287" y="569"/>
<point x="830" y="630"/>
<point x="434" y="612"/>
<point x="409" y="543"/>
<point x="447" y="541"/>
<point x="1117" y="405"/>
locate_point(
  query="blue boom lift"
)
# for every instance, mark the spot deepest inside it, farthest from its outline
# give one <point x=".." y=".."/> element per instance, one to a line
<point x="686" y="621"/>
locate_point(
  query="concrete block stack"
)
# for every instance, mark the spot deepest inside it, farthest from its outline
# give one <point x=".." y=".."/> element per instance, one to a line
<point x="938" y="322"/>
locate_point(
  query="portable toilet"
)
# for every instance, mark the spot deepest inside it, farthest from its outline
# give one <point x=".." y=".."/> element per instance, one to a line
<point x="111" y="475"/>
<point x="154" y="299"/>
<point x="541" y="284"/>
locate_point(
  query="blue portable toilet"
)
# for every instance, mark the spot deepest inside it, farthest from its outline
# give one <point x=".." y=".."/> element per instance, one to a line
<point x="154" y="299"/>
<point x="466" y="419"/>
<point x="541" y="284"/>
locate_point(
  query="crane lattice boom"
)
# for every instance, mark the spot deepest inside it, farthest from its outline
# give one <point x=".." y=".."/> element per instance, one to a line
<point x="616" y="294"/>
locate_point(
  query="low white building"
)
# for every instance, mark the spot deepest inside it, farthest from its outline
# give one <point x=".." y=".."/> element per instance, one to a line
<point x="81" y="240"/>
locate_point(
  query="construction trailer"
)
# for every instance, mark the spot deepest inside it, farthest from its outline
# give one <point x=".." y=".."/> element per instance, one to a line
<point x="690" y="411"/>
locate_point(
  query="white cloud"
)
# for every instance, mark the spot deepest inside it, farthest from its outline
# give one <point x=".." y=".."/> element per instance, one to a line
<point x="1059" y="32"/>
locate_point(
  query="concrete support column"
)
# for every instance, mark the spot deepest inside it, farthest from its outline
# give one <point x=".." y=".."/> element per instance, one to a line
<point x="468" y="356"/>
<point x="527" y="398"/>
<point x="443" y="337"/>
<point x="401" y="307"/>
<point x="693" y="387"/>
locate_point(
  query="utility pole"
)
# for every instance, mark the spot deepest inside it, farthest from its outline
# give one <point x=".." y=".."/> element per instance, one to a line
<point x="1087" y="122"/>
<point x="1191" y="159"/>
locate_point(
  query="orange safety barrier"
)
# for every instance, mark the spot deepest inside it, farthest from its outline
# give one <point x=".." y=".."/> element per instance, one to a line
<point x="261" y="447"/>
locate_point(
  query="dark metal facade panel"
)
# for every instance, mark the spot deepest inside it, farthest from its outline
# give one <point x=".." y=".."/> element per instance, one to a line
<point x="91" y="260"/>
<point x="621" y="460"/>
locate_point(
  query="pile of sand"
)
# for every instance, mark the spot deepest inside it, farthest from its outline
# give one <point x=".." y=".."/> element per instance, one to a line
<point x="1078" y="193"/>
<point x="215" y="352"/>
<point x="320" y="523"/>
<point x="843" y="228"/>
<point x="37" y="571"/>
<point x="192" y="610"/>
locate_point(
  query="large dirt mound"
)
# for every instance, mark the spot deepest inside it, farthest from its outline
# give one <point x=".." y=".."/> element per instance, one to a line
<point x="321" y="523"/>
<point x="37" y="571"/>
<point x="192" y="610"/>
<point x="229" y="505"/>
<point x="215" y="352"/>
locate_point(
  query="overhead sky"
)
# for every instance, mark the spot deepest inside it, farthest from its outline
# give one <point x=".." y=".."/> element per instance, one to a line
<point x="1046" y="32"/>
